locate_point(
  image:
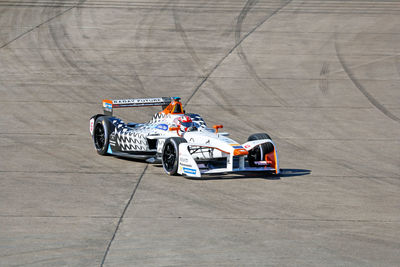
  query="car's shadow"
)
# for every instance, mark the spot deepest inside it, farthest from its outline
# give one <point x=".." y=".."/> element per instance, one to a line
<point x="285" y="173"/>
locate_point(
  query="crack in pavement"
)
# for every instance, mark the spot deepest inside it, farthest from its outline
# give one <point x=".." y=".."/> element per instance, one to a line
<point x="231" y="50"/>
<point x="41" y="24"/>
<point x="122" y="216"/>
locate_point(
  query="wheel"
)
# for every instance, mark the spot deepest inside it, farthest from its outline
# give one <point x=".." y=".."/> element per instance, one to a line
<point x="258" y="153"/>
<point x="101" y="135"/>
<point x="170" y="155"/>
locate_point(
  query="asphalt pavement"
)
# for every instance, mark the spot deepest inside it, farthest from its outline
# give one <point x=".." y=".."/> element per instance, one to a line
<point x="322" y="78"/>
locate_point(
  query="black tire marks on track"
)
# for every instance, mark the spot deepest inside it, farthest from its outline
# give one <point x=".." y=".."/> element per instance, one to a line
<point x="185" y="39"/>
<point x="18" y="59"/>
<point x="122" y="216"/>
<point x="361" y="88"/>
<point x="65" y="48"/>
<point x="233" y="49"/>
<point x="139" y="88"/>
<point x="398" y="64"/>
<point x="191" y="51"/>
<point x="242" y="55"/>
<point x="137" y="38"/>
<point x="41" y="24"/>
<point x="324" y="76"/>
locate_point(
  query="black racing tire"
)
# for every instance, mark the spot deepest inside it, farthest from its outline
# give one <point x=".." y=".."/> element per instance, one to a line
<point x="170" y="154"/>
<point x="258" y="153"/>
<point x="101" y="135"/>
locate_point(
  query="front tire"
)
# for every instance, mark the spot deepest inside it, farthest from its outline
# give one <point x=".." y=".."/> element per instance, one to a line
<point x="170" y="155"/>
<point x="101" y="135"/>
<point x="258" y="153"/>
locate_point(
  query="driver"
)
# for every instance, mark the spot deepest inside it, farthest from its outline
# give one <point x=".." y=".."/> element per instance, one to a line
<point x="185" y="124"/>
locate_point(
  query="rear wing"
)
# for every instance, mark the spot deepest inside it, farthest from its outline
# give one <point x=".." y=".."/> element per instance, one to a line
<point x="109" y="105"/>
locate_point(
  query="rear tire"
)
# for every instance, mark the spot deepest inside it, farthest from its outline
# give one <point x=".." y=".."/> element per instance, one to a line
<point x="101" y="135"/>
<point x="170" y="154"/>
<point x="258" y="153"/>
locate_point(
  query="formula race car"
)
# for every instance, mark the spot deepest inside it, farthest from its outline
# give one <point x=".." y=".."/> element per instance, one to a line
<point x="181" y="141"/>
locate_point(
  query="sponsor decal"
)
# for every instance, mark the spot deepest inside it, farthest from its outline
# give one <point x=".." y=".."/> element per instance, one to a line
<point x="189" y="170"/>
<point x="238" y="147"/>
<point x="91" y="126"/>
<point x="163" y="127"/>
<point x="263" y="163"/>
<point x="138" y="101"/>
<point x="107" y="106"/>
<point x="247" y="146"/>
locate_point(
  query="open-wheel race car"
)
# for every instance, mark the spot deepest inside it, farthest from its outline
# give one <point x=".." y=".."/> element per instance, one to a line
<point x="181" y="141"/>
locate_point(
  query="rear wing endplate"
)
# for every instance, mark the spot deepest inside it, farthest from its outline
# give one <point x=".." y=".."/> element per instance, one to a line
<point x="109" y="105"/>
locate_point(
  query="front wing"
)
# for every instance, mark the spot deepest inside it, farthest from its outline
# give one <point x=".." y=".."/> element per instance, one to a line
<point x="188" y="166"/>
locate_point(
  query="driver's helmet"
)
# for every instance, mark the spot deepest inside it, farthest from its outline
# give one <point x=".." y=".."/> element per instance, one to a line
<point x="185" y="124"/>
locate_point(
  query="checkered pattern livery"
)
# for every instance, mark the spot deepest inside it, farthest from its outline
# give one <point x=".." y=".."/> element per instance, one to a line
<point x="131" y="141"/>
<point x="159" y="117"/>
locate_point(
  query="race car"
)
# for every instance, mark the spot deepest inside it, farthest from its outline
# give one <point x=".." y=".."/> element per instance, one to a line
<point x="181" y="141"/>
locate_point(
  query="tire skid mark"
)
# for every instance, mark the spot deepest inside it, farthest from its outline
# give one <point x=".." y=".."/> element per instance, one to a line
<point x="9" y="60"/>
<point x="5" y="10"/>
<point x="137" y="38"/>
<point x="339" y="7"/>
<point x="15" y="58"/>
<point x="242" y="55"/>
<point x="69" y="56"/>
<point x="41" y="24"/>
<point x="324" y="76"/>
<point x="22" y="62"/>
<point x="61" y="44"/>
<point x="185" y="39"/>
<point x="166" y="7"/>
<point x="140" y="89"/>
<point x="233" y="49"/>
<point x="122" y="216"/>
<point x="398" y="65"/>
<point x="190" y="49"/>
<point x="361" y="88"/>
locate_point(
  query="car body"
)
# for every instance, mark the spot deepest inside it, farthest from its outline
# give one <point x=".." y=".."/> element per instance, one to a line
<point x="189" y="151"/>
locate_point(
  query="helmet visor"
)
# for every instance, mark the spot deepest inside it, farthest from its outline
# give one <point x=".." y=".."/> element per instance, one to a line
<point x="187" y="124"/>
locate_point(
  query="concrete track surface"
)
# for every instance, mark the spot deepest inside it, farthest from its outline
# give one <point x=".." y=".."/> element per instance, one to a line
<point x="321" y="77"/>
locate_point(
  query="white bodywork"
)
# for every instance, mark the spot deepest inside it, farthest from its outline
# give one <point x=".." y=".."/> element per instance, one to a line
<point x="206" y="150"/>
<point x="205" y="145"/>
<point x="215" y="146"/>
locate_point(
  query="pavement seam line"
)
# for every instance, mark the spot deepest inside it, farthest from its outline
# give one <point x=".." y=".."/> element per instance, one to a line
<point x="41" y="24"/>
<point x="233" y="49"/>
<point x="122" y="216"/>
